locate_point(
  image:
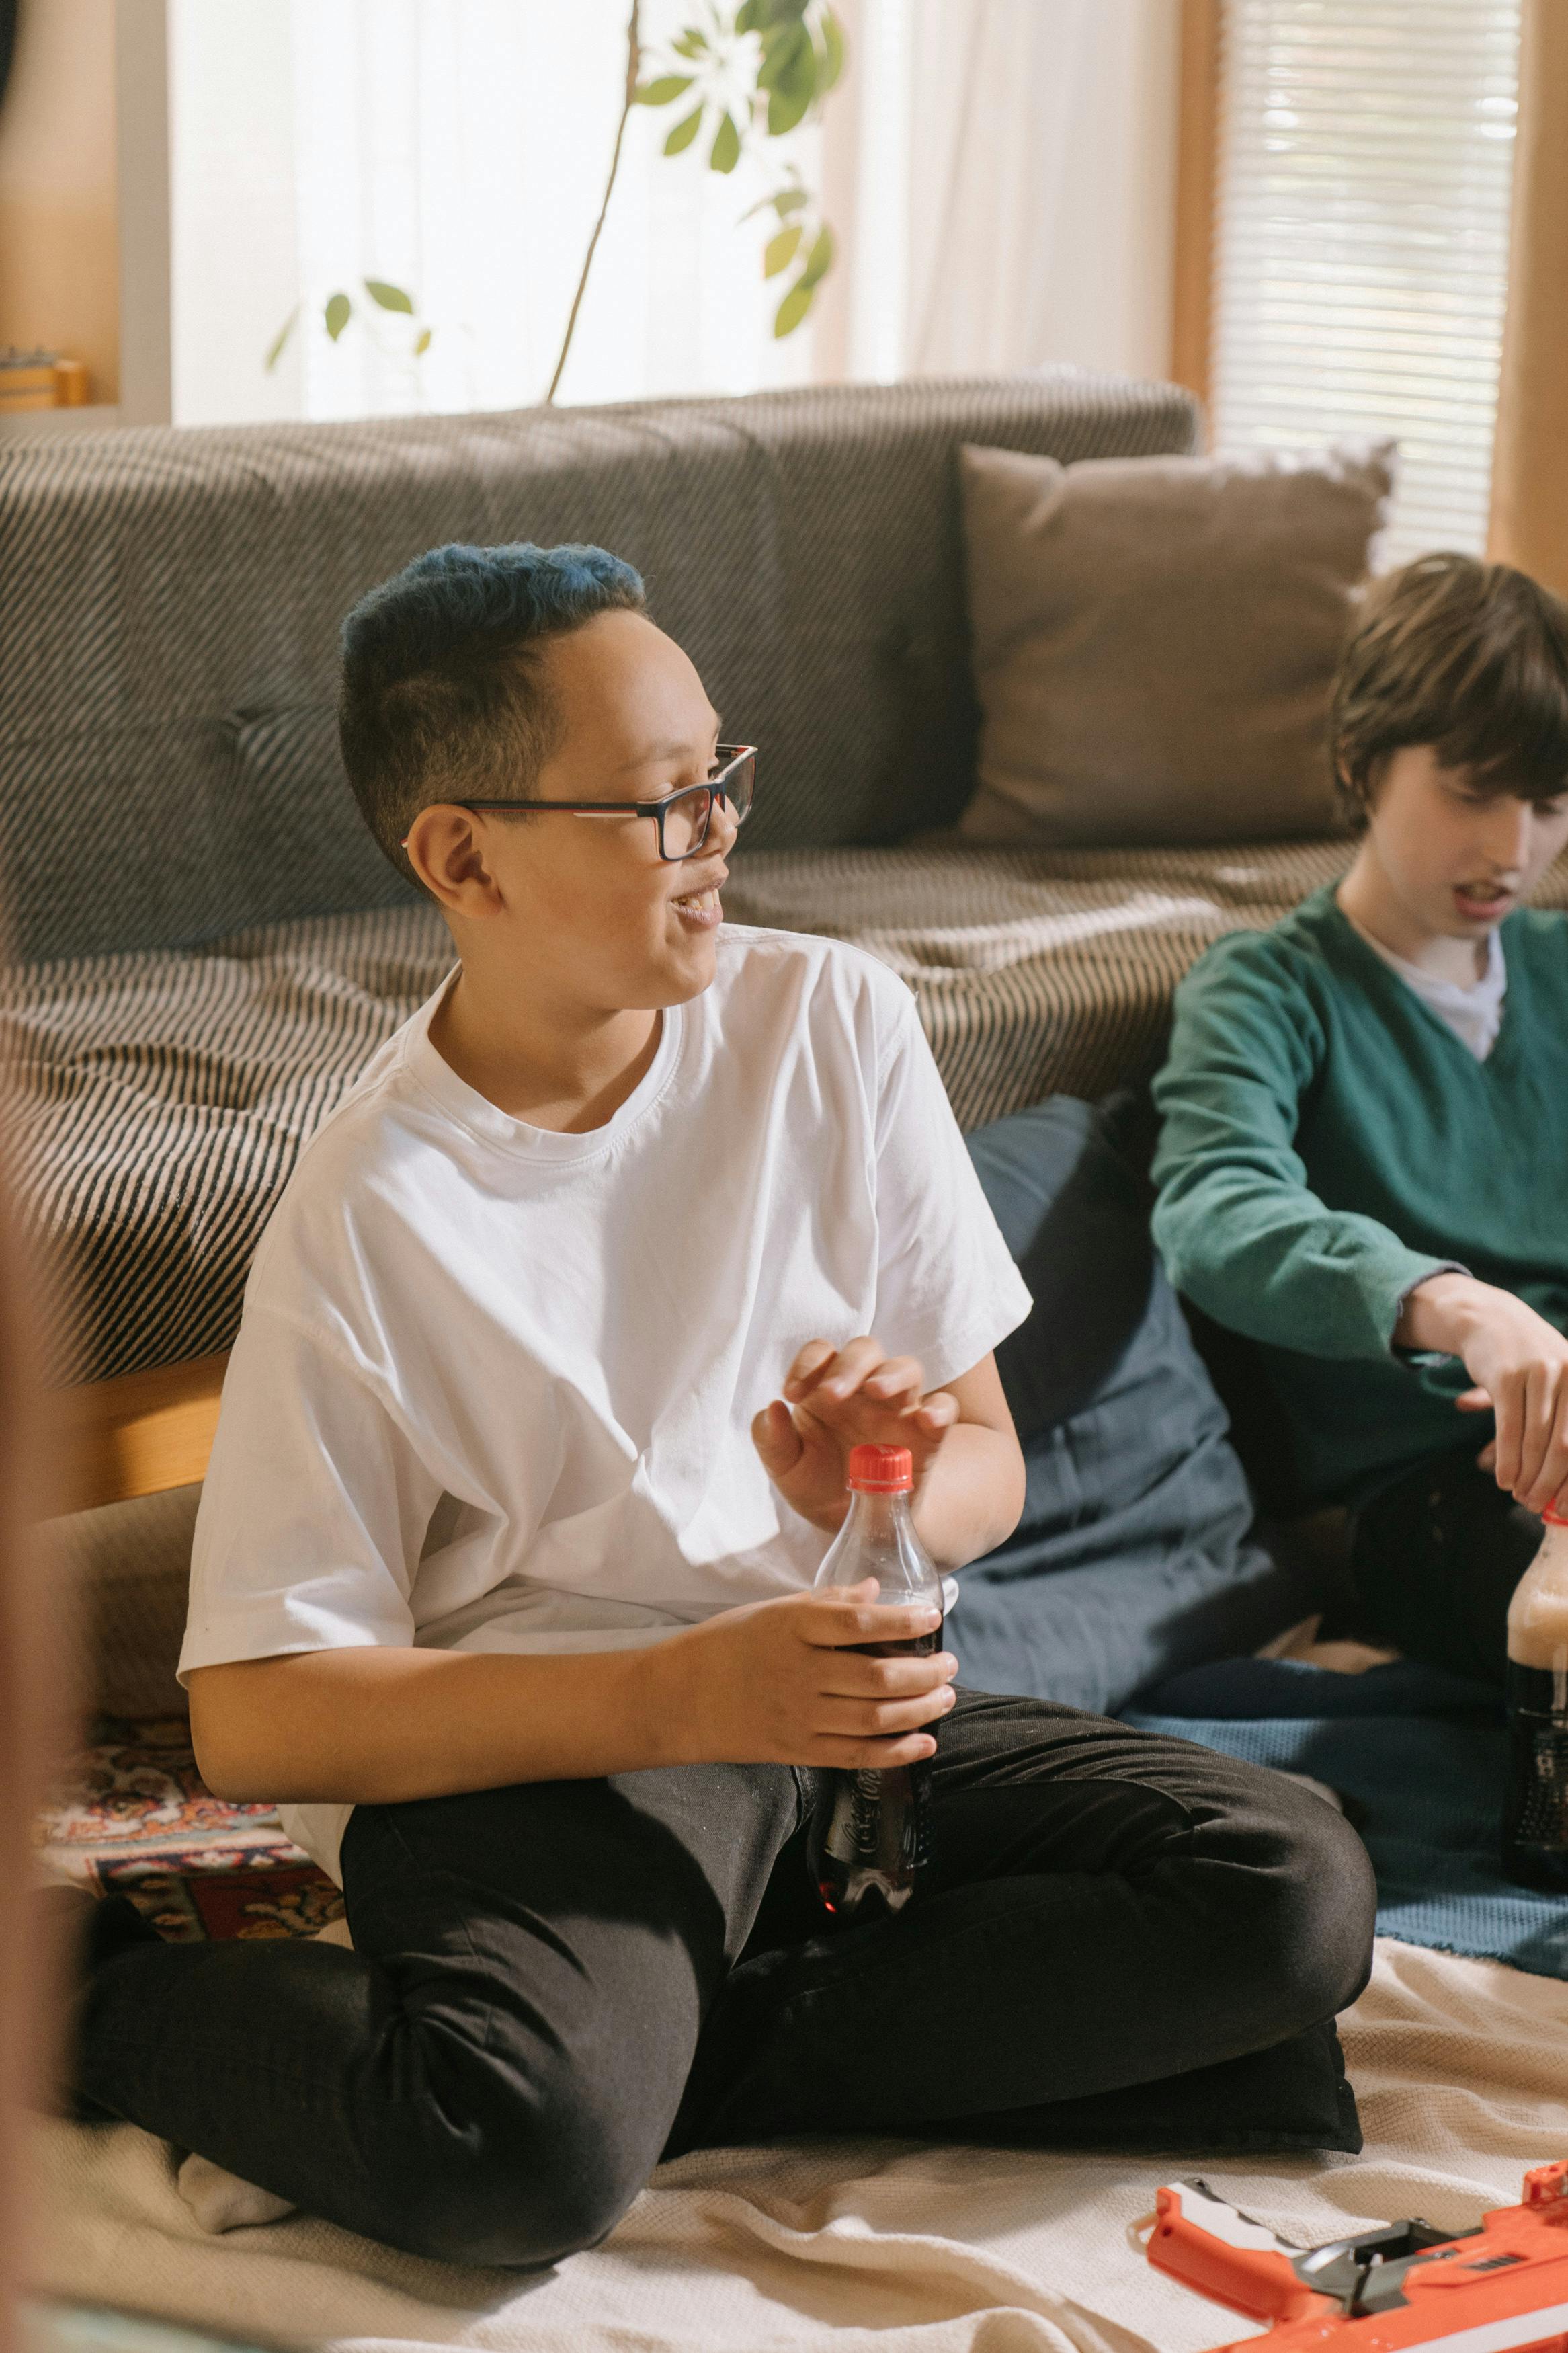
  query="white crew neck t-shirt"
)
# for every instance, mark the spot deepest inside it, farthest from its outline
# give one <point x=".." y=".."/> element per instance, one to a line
<point x="493" y="1385"/>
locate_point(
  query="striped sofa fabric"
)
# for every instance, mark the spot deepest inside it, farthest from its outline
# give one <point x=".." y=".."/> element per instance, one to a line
<point x="210" y="948"/>
<point x="166" y="1095"/>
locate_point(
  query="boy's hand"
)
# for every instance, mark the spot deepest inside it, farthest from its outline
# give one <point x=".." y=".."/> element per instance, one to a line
<point x="835" y="1399"/>
<point x="780" y="1682"/>
<point x="1519" y="1364"/>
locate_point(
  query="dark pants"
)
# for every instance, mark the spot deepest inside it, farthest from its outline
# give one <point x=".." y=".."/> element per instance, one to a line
<point x="553" y="1985"/>
<point x="1433" y="1562"/>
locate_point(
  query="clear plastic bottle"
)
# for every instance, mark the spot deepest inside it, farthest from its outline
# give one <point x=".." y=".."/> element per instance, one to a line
<point x="1535" y="1812"/>
<point x="870" y="1831"/>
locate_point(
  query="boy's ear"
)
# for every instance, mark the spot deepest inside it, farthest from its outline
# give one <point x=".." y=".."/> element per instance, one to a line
<point x="444" y="848"/>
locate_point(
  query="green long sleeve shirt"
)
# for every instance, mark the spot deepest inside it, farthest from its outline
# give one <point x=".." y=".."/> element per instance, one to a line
<point x="1328" y="1142"/>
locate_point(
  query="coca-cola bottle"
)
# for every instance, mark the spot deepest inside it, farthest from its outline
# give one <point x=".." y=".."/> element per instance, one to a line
<point x="870" y="1831"/>
<point x="1535" y="1814"/>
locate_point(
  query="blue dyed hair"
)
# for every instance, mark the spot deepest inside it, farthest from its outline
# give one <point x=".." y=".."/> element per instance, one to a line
<point x="442" y="698"/>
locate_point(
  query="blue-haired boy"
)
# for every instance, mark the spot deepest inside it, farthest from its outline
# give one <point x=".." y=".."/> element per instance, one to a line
<point x="532" y="1440"/>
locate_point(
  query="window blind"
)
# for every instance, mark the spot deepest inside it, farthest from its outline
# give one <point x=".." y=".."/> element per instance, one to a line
<point x="1367" y="157"/>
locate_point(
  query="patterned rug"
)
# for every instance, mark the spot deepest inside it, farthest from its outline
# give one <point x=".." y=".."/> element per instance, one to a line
<point x="133" y="1817"/>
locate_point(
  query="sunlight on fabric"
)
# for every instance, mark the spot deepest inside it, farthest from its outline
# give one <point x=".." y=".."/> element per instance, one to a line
<point x="1362" y="257"/>
<point x="458" y="149"/>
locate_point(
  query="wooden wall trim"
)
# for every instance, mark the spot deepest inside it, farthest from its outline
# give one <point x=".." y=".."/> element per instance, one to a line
<point x="142" y="117"/>
<point x="1530" y="451"/>
<point x="135" y="1436"/>
<point x="1197" y="177"/>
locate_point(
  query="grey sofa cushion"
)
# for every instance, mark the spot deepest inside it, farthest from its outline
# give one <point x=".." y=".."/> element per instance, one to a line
<point x="1134" y="1558"/>
<point x="170" y="602"/>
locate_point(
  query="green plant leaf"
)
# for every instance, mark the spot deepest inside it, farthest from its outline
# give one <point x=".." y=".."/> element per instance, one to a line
<point x="780" y="251"/>
<point x="782" y="201"/>
<point x="684" y="132"/>
<point x="337" y="314"/>
<point x="783" y="47"/>
<point x="788" y="74"/>
<point x="750" y="16"/>
<point x="819" y="261"/>
<point x="785" y="108"/>
<point x="764" y="15"/>
<point x="793" y="309"/>
<point x="663" y="89"/>
<point x="692" y="43"/>
<point x="275" y="348"/>
<point x="423" y="343"/>
<point x="725" y="152"/>
<point x="830" y="64"/>
<point x="391" y="298"/>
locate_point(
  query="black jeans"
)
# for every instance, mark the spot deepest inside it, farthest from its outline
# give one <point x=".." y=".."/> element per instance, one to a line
<point x="1433" y="1561"/>
<point x="555" y="1984"/>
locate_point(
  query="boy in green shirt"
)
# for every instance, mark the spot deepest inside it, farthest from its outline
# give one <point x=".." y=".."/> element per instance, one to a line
<point x="1365" y="1115"/>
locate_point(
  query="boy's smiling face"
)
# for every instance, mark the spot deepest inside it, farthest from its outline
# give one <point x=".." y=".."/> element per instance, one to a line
<point x="600" y="923"/>
<point x="1454" y="859"/>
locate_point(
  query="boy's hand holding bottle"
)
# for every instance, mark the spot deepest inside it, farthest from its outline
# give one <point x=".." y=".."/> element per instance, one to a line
<point x="795" y="1682"/>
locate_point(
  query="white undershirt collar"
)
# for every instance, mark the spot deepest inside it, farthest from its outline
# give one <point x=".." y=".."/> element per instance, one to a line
<point x="1473" y="1014"/>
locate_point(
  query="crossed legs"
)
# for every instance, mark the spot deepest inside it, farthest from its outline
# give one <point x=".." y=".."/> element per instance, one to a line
<point x="555" y="1984"/>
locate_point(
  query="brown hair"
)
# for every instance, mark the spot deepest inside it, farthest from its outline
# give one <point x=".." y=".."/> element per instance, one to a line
<point x="1470" y="658"/>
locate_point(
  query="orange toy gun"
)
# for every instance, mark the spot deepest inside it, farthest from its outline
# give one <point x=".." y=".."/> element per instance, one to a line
<point x="1502" y="2289"/>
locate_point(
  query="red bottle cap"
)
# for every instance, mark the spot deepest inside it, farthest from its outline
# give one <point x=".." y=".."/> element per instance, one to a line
<point x="1552" y="1515"/>
<point x="881" y="1470"/>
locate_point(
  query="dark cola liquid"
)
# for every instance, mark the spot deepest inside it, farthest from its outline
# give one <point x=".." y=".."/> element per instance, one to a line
<point x="870" y="1832"/>
<point x="1535" y="1812"/>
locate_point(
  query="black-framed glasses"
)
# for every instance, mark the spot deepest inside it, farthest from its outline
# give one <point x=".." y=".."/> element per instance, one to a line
<point x="682" y="818"/>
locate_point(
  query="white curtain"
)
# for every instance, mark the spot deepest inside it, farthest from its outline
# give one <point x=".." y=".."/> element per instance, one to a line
<point x="1041" y="177"/>
<point x="457" y="149"/>
<point x="1000" y="172"/>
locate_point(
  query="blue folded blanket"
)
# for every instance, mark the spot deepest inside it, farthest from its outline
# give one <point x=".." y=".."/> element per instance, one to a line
<point x="1421" y="1755"/>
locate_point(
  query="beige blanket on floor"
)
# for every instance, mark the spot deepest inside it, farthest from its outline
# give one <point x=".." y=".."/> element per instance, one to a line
<point x="1461" y="2068"/>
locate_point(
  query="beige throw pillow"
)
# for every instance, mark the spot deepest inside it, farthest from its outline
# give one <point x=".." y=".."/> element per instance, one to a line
<point x="1154" y="639"/>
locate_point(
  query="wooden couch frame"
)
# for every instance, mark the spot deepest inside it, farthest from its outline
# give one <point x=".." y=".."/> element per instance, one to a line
<point x="138" y="1435"/>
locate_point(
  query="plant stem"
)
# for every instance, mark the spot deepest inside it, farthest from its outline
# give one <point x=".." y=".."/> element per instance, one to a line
<point x="634" y="68"/>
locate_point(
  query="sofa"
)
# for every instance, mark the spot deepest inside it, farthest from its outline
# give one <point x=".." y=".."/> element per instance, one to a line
<point x="206" y="947"/>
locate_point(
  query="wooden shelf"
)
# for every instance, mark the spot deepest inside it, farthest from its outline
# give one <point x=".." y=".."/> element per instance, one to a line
<point x="47" y="423"/>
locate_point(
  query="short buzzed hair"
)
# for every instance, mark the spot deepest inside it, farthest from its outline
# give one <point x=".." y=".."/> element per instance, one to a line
<point x="1468" y="657"/>
<point x="442" y="697"/>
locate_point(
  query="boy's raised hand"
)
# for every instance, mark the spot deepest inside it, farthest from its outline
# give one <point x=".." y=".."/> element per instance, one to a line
<point x="835" y="1399"/>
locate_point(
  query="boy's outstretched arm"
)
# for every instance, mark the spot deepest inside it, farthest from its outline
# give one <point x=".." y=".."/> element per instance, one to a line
<point x="1242" y="1233"/>
<point x="1236" y="1223"/>
<point x="771" y="1682"/>
<point x="1518" y="1363"/>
